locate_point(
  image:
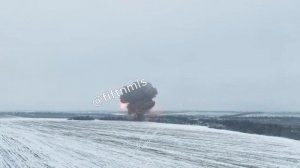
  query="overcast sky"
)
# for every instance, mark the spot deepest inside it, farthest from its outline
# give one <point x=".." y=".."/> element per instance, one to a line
<point x="199" y="54"/>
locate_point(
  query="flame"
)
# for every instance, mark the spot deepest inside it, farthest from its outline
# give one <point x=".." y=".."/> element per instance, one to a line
<point x="123" y="106"/>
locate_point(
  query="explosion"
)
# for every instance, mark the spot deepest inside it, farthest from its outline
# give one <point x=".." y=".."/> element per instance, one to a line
<point x="138" y="97"/>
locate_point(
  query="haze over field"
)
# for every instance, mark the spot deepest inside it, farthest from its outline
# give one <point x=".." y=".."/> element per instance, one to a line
<point x="200" y="54"/>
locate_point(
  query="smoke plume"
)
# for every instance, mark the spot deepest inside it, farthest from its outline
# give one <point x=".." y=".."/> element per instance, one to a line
<point x="138" y="97"/>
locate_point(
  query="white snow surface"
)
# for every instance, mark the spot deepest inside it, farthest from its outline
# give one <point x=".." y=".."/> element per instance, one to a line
<point x="59" y="143"/>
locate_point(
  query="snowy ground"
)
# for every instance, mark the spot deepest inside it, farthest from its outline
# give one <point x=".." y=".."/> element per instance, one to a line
<point x="38" y="143"/>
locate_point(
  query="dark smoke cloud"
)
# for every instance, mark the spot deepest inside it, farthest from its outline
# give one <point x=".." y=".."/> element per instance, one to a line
<point x="139" y="97"/>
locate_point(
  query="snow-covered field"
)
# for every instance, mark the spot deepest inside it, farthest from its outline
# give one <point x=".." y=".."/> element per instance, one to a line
<point x="38" y="143"/>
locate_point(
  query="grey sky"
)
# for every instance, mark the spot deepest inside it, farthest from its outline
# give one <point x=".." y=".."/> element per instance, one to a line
<point x="200" y="54"/>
